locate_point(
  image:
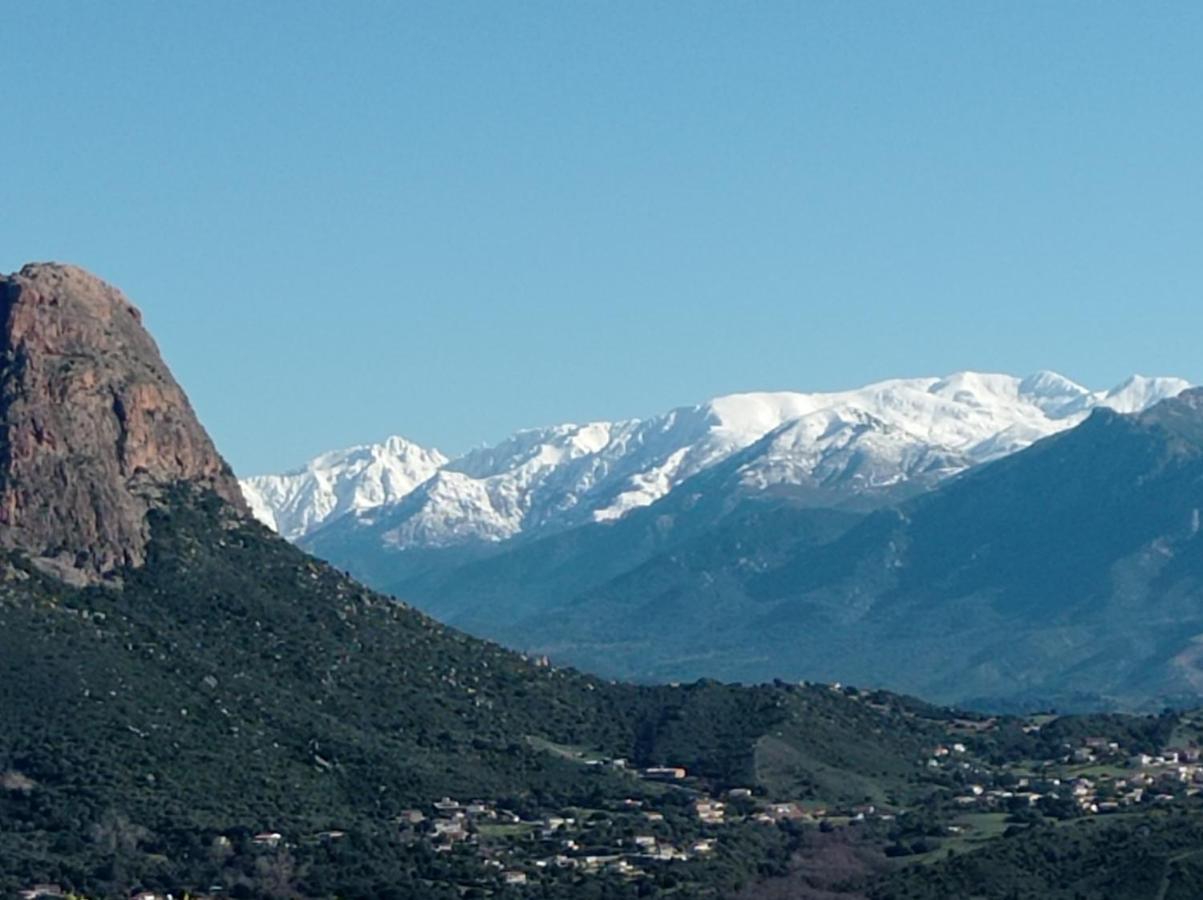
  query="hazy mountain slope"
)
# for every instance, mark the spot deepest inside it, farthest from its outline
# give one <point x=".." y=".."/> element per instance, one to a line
<point x="496" y="595"/>
<point x="493" y="590"/>
<point x="1072" y="568"/>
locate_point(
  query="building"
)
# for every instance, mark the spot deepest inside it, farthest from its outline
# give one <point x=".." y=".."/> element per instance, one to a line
<point x="665" y="773"/>
<point x="41" y="890"/>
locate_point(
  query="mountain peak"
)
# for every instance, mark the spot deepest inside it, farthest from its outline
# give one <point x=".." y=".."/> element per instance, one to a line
<point x="1139" y="392"/>
<point x="341" y="481"/>
<point x="91" y="424"/>
<point x="1047" y="383"/>
<point x="57" y="283"/>
<point x="397" y="445"/>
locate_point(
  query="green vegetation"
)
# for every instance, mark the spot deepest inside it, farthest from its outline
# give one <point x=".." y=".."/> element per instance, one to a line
<point x="234" y="688"/>
<point x="234" y="685"/>
<point x="1153" y="856"/>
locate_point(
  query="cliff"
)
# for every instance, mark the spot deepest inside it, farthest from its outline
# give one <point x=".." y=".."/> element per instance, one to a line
<point x="92" y="425"/>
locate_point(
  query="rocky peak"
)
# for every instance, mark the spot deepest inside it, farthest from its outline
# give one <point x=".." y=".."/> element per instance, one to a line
<point x="1180" y="416"/>
<point x="92" y="425"/>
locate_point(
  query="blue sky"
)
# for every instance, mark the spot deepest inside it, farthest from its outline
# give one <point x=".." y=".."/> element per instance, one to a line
<point x="450" y="220"/>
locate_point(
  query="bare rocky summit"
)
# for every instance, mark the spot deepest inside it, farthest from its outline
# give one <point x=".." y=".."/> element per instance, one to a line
<point x="92" y="425"/>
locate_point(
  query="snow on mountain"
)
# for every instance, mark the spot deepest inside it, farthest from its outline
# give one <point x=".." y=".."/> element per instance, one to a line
<point x="929" y="428"/>
<point x="847" y="443"/>
<point x="351" y="480"/>
<point x="845" y="451"/>
<point x="1139" y="393"/>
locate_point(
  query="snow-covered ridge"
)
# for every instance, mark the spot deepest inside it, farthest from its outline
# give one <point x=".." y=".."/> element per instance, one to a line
<point x="352" y="480"/>
<point x="860" y="441"/>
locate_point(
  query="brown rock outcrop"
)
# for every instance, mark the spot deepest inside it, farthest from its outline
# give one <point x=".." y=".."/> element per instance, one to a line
<point x="92" y="425"/>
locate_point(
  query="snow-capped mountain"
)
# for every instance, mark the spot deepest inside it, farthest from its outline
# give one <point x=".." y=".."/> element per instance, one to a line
<point x="850" y="443"/>
<point x="571" y="474"/>
<point x="928" y="428"/>
<point x="352" y="480"/>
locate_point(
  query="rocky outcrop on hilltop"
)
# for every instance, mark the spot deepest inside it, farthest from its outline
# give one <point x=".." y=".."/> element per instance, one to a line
<point x="92" y="425"/>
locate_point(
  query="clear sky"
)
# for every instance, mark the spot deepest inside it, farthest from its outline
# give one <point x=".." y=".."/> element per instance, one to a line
<point x="451" y="220"/>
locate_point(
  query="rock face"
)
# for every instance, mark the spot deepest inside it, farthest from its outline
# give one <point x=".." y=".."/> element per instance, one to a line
<point x="92" y="425"/>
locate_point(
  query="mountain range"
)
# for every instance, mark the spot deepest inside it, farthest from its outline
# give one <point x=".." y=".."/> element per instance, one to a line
<point x="1068" y="574"/>
<point x="857" y="448"/>
<point x="858" y="536"/>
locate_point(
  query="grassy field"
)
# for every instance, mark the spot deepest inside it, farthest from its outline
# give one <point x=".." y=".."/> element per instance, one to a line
<point x="565" y="751"/>
<point x="977" y="829"/>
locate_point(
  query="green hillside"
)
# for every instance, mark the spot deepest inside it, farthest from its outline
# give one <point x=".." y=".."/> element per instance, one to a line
<point x="1148" y="856"/>
<point x="234" y="685"/>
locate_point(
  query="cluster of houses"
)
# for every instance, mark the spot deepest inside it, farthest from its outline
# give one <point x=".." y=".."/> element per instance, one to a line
<point x="451" y="822"/>
<point x="1095" y="777"/>
<point x="549" y="842"/>
<point x="1115" y="782"/>
<point x="941" y="754"/>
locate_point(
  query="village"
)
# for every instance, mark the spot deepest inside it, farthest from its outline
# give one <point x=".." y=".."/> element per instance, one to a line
<point x="624" y="838"/>
<point x="1097" y="777"/>
<point x="675" y="818"/>
<point x="630" y="838"/>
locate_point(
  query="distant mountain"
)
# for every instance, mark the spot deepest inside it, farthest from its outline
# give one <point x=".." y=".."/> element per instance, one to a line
<point x="352" y="480"/>
<point x="856" y="448"/>
<point x="1068" y="573"/>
